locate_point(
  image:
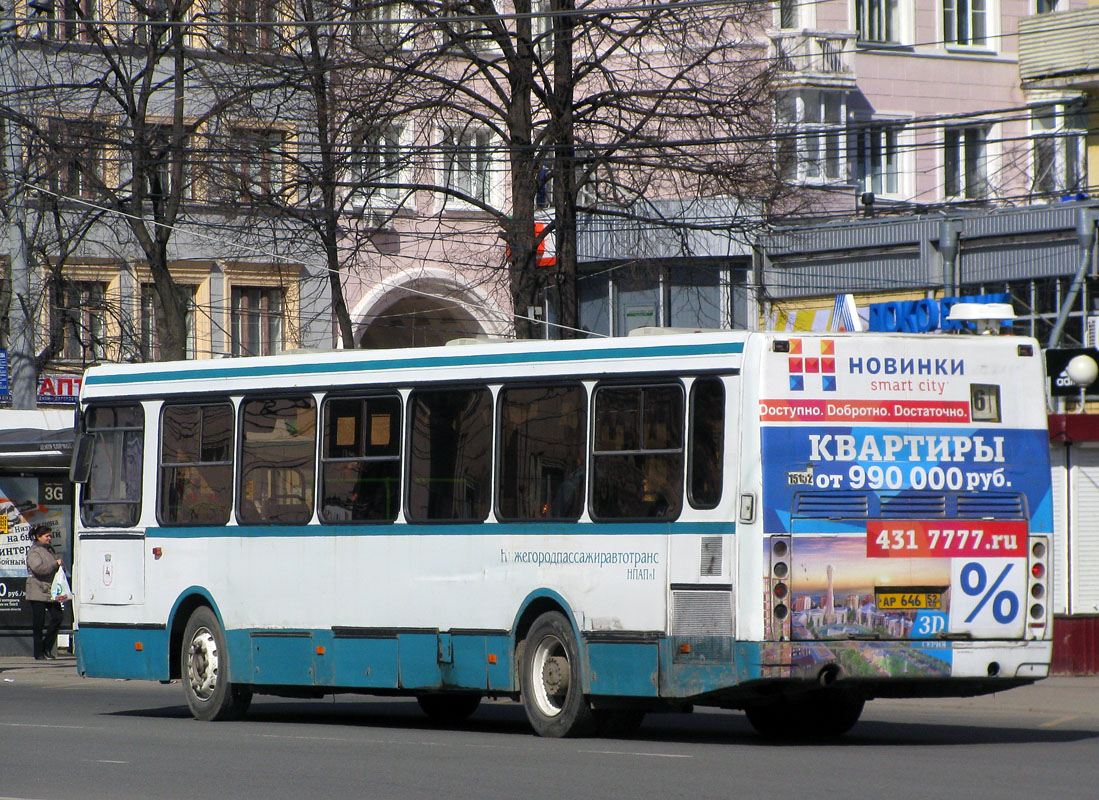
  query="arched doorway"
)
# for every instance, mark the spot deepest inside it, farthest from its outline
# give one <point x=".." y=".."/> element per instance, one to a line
<point x="419" y="322"/>
<point x="423" y="313"/>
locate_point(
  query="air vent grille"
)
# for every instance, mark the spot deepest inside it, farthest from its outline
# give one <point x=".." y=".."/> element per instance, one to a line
<point x="702" y="613"/>
<point x="712" y="556"/>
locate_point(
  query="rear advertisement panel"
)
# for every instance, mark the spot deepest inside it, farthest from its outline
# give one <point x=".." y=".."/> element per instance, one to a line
<point x="908" y="474"/>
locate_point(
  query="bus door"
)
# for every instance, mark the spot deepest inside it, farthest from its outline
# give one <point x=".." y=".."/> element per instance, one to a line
<point x="110" y="549"/>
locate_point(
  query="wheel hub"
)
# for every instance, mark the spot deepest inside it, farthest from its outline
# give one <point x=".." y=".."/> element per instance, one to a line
<point x="555" y="675"/>
<point x="203" y="664"/>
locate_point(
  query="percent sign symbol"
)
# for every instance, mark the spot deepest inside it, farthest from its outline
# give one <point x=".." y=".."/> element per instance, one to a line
<point x="974" y="579"/>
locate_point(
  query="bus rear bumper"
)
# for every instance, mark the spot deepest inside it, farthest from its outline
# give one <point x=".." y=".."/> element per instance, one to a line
<point x="876" y="668"/>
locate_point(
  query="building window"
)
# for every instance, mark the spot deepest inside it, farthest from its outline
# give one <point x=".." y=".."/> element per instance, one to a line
<point x="248" y="24"/>
<point x="1047" y="6"/>
<point x="377" y="167"/>
<point x="965" y="22"/>
<point x="81" y="167"/>
<point x="877" y="159"/>
<point x="256" y="321"/>
<point x="159" y="154"/>
<point x="788" y="16"/>
<point x="150" y="340"/>
<point x="374" y="25"/>
<point x="965" y="162"/>
<point x="134" y="20"/>
<point x="79" y="320"/>
<point x="1059" y="153"/>
<point x="256" y="163"/>
<point x="468" y="161"/>
<point x="72" y="20"/>
<point x="811" y="136"/>
<point x="878" y="20"/>
<point x="462" y="25"/>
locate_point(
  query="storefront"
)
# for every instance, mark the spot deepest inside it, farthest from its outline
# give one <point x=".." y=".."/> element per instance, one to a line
<point x="35" y="449"/>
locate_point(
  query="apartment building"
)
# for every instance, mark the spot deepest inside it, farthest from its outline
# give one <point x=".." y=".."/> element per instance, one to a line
<point x="918" y="103"/>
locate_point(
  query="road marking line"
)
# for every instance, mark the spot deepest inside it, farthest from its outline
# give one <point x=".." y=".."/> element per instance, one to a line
<point x="1058" y="721"/>
<point x="627" y="753"/>
<point x="40" y="725"/>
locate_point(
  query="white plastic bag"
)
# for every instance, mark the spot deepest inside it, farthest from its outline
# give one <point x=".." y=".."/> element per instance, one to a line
<point x="59" y="590"/>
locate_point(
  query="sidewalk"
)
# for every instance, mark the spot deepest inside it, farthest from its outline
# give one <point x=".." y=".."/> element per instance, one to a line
<point x="26" y="669"/>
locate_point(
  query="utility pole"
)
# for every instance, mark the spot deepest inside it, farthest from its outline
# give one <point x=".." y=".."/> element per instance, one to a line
<point x="22" y="380"/>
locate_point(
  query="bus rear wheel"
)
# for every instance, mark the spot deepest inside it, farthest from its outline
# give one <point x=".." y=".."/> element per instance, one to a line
<point x="821" y="715"/>
<point x="551" y="680"/>
<point x="204" y="667"/>
<point x="448" y="708"/>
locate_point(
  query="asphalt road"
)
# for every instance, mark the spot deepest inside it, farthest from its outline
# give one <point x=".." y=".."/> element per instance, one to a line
<point x="63" y="737"/>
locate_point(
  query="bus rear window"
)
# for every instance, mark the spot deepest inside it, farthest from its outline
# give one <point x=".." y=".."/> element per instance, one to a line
<point x="361" y="459"/>
<point x="196" y="464"/>
<point x="112" y="495"/>
<point x="637" y="461"/>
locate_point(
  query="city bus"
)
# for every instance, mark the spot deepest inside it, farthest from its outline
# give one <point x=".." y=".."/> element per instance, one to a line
<point x="787" y="524"/>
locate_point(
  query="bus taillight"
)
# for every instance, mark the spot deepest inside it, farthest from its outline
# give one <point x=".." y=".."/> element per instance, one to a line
<point x="1037" y="584"/>
<point x="779" y="589"/>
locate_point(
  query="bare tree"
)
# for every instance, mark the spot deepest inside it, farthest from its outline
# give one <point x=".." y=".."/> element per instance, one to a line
<point x="611" y="108"/>
<point x="114" y="113"/>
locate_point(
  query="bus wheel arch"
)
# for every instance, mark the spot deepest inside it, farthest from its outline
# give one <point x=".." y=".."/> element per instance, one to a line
<point x="536" y="604"/>
<point x="184" y="607"/>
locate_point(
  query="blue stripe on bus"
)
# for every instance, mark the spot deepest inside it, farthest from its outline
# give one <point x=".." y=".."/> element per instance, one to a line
<point x="420" y="362"/>
<point x="466" y="529"/>
<point x="409" y="661"/>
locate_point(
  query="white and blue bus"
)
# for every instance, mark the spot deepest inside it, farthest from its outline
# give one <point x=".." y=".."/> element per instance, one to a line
<point x="781" y="523"/>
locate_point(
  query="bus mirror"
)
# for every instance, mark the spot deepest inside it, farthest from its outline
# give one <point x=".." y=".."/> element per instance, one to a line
<point x="80" y="468"/>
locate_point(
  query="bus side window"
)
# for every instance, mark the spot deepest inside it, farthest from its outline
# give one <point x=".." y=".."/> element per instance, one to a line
<point x="637" y="460"/>
<point x="112" y="495"/>
<point x="450" y="455"/>
<point x="277" y="460"/>
<point x="543" y="431"/>
<point x="361" y="459"/>
<point x="196" y="464"/>
<point x="706" y="443"/>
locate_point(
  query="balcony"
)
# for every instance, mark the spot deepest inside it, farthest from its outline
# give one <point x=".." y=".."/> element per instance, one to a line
<point x="824" y="59"/>
<point x="1060" y="51"/>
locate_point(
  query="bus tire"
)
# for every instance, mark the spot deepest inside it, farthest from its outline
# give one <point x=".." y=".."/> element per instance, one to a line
<point x="204" y="669"/>
<point x="448" y="708"/>
<point x="551" y="680"/>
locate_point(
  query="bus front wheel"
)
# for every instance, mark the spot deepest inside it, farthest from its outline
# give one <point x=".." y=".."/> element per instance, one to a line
<point x="204" y="667"/>
<point x="551" y="680"/>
